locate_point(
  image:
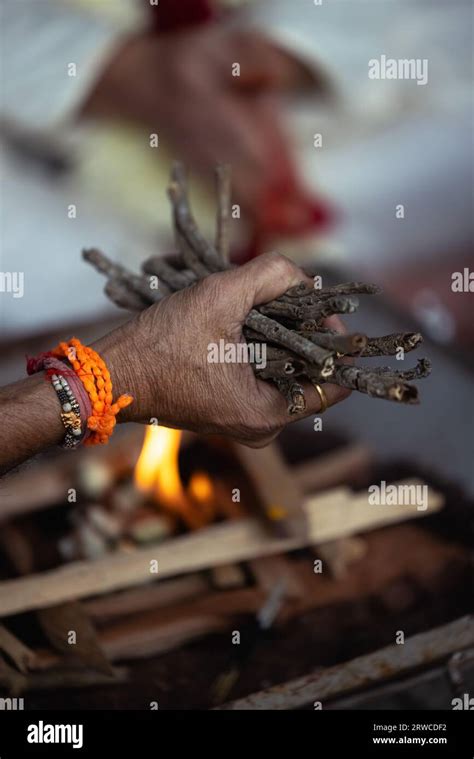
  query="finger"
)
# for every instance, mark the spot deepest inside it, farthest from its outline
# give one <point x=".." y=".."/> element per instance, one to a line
<point x="277" y="405"/>
<point x="262" y="279"/>
<point x="332" y="393"/>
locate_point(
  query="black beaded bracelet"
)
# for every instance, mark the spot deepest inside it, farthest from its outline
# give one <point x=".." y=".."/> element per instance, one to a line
<point x="70" y="411"/>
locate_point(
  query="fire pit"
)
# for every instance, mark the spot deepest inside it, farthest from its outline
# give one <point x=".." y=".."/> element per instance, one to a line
<point x="246" y="568"/>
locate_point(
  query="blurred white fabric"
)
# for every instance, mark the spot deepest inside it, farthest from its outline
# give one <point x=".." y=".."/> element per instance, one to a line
<point x="39" y="239"/>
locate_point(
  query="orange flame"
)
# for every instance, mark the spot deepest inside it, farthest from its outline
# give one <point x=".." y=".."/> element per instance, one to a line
<point x="157" y="466"/>
<point x="157" y="472"/>
<point x="201" y="491"/>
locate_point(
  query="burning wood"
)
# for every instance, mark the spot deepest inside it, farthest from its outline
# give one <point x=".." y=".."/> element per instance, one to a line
<point x="292" y="326"/>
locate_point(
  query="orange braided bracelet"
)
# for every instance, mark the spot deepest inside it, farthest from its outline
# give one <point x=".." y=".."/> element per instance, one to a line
<point x="94" y="375"/>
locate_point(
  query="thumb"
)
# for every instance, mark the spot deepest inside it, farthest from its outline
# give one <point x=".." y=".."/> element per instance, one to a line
<point x="265" y="278"/>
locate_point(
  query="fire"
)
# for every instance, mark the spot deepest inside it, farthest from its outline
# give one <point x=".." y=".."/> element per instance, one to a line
<point x="157" y="473"/>
<point x="157" y="466"/>
<point x="202" y="493"/>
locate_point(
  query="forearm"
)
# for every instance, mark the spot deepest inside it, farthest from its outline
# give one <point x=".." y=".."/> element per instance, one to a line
<point x="30" y="420"/>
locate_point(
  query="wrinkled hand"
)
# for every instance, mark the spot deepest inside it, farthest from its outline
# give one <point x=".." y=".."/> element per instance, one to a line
<point x="181" y="87"/>
<point x="161" y="357"/>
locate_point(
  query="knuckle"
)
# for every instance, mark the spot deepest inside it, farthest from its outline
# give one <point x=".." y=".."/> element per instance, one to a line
<point x="281" y="267"/>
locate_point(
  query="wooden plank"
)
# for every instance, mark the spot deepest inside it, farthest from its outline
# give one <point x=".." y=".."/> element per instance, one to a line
<point x="351" y="463"/>
<point x="228" y="576"/>
<point x="330" y="515"/>
<point x="280" y="497"/>
<point x="141" y="598"/>
<point x="392" y="661"/>
<point x="424" y="559"/>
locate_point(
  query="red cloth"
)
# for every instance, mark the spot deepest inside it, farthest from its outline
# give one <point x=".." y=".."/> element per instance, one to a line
<point x="286" y="208"/>
<point x="170" y="15"/>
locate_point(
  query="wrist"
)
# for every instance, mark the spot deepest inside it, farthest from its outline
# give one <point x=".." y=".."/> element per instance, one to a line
<point x="125" y="371"/>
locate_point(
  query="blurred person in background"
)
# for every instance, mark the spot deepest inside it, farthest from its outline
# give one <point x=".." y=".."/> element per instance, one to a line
<point x="169" y="69"/>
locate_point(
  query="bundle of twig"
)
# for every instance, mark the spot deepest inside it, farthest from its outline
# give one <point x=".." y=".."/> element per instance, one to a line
<point x="299" y="346"/>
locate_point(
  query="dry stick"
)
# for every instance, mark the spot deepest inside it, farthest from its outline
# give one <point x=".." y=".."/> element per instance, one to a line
<point x="366" y="381"/>
<point x="316" y="311"/>
<point x="389" y="345"/>
<point x="202" y="258"/>
<point x="122" y="296"/>
<point x="421" y="370"/>
<point x="294" y="394"/>
<point x="281" y="367"/>
<point x="386" y="345"/>
<point x="343" y="344"/>
<point x="223" y="176"/>
<point x="175" y="279"/>
<point x="137" y="284"/>
<point x="345" y="288"/>
<point x="190" y="256"/>
<point x="277" y="333"/>
<point x="274" y="353"/>
<point x="205" y="253"/>
<point x="186" y="225"/>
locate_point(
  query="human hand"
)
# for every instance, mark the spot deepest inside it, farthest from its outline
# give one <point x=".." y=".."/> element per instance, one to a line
<point x="161" y="357"/>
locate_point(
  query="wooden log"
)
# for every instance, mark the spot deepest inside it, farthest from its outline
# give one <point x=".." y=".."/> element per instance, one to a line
<point x="61" y="677"/>
<point x="104" y="608"/>
<point x="350" y="463"/>
<point x="228" y="576"/>
<point x="330" y="515"/>
<point x="389" y="662"/>
<point x="280" y="497"/>
<point x="425" y="560"/>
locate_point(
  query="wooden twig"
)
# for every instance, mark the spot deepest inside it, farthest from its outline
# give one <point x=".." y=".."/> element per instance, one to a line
<point x="421" y="370"/>
<point x="346" y="288"/>
<point x="223" y="176"/>
<point x="376" y="385"/>
<point x="294" y="394"/>
<point x="342" y="344"/>
<point x="280" y="335"/>
<point x="308" y="349"/>
<point x="139" y="285"/>
<point x="175" y="279"/>
<point x="120" y="294"/>
<point x="203" y="250"/>
<point x="281" y="368"/>
<point x="320" y="309"/>
<point x="388" y="345"/>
